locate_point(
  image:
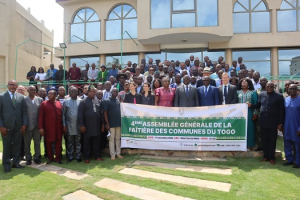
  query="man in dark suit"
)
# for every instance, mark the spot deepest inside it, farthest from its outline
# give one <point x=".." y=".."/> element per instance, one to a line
<point x="208" y="95"/>
<point x="186" y="95"/>
<point x="227" y="92"/>
<point x="206" y="72"/>
<point x="13" y="122"/>
<point x="271" y="106"/>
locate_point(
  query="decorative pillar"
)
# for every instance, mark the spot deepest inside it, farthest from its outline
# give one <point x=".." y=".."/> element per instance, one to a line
<point x="274" y="62"/>
<point x="228" y="56"/>
<point x="141" y="56"/>
<point x="102" y="60"/>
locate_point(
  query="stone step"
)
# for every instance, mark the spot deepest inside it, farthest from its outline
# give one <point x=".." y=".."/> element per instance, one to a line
<point x="81" y="195"/>
<point x="57" y="170"/>
<point x="199" y="154"/>
<point x="225" y="187"/>
<point x="185" y="158"/>
<point x="185" y="167"/>
<point x="136" y="191"/>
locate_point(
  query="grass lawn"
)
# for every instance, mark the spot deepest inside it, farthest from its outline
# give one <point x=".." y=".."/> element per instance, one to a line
<point x="251" y="179"/>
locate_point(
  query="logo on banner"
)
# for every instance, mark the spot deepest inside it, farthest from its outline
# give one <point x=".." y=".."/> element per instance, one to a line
<point x="181" y="111"/>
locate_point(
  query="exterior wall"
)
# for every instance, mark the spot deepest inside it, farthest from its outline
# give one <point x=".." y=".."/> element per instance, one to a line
<point x="150" y="40"/>
<point x="18" y="25"/>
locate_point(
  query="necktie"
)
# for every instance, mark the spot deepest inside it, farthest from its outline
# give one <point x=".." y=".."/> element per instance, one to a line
<point x="205" y="91"/>
<point x="222" y="82"/>
<point x="225" y="91"/>
<point x="134" y="100"/>
<point x="187" y="91"/>
<point x="13" y="100"/>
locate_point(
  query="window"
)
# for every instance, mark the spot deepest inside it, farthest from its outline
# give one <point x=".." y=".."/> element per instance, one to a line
<point x="125" y="59"/>
<point x="251" y="16"/>
<point x="82" y="61"/>
<point x="183" y="13"/>
<point x="259" y="60"/>
<point x="122" y="18"/>
<point x="85" y="25"/>
<point x="288" y="17"/>
<point x="289" y="62"/>
<point x="183" y="54"/>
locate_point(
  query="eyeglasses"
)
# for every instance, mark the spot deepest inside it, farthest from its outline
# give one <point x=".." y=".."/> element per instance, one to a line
<point x="13" y="85"/>
<point x="270" y="86"/>
<point x="205" y="80"/>
<point x="293" y="88"/>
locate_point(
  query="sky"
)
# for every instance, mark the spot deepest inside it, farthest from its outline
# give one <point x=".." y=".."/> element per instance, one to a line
<point x="50" y="12"/>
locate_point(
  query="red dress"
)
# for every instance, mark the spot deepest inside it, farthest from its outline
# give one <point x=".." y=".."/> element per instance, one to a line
<point x="166" y="96"/>
<point x="50" y="119"/>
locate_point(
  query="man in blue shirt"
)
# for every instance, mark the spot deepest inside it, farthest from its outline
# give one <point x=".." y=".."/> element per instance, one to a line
<point x="113" y="71"/>
<point x="112" y="117"/>
<point x="292" y="127"/>
<point x="51" y="75"/>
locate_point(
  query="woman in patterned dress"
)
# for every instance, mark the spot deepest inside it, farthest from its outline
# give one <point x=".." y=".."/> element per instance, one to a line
<point x="246" y="94"/>
<point x="164" y="96"/>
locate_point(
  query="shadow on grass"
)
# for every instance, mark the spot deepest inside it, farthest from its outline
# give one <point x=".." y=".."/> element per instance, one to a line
<point x="27" y="171"/>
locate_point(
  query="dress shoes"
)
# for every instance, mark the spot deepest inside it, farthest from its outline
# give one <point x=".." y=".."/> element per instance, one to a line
<point x="273" y="162"/>
<point x="86" y="161"/>
<point x="59" y="162"/>
<point x="22" y="158"/>
<point x="6" y="169"/>
<point x="69" y="160"/>
<point x="264" y="160"/>
<point x="296" y="166"/>
<point x="28" y="162"/>
<point x="99" y="159"/>
<point x="37" y="161"/>
<point x="287" y="163"/>
<point x="258" y="149"/>
<point x="48" y="162"/>
<point x="17" y="166"/>
<point x="79" y="160"/>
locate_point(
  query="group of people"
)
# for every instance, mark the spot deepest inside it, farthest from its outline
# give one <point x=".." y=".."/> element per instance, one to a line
<point x="86" y="121"/>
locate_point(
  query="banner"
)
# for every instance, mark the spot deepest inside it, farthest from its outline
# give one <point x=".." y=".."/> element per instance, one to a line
<point x="210" y="128"/>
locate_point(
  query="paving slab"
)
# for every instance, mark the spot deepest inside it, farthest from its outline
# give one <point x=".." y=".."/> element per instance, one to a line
<point x="57" y="170"/>
<point x="185" y="158"/>
<point x="81" y="195"/>
<point x="225" y="187"/>
<point x="136" y="191"/>
<point x="185" y="167"/>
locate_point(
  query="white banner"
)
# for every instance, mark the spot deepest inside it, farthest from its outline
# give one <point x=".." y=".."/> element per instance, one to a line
<point x="210" y="128"/>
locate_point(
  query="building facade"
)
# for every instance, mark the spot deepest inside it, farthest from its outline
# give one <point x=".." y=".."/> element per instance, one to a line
<point x="18" y="25"/>
<point x="264" y="32"/>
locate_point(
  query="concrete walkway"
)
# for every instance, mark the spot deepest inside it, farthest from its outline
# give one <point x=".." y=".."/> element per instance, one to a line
<point x="136" y="191"/>
<point x="80" y="195"/>
<point x="57" y="170"/>
<point x="185" y="158"/>
<point x="185" y="167"/>
<point x="225" y="187"/>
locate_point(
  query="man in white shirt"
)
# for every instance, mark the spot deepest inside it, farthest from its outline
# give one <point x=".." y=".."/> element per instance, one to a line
<point x="92" y="73"/>
<point x="219" y="79"/>
<point x="256" y="77"/>
<point x="107" y="91"/>
<point x="227" y="92"/>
